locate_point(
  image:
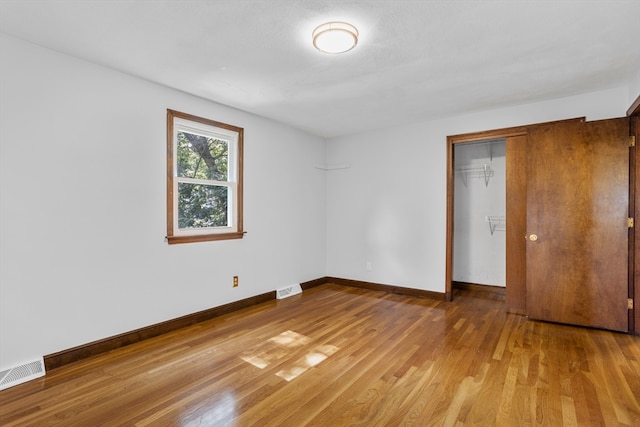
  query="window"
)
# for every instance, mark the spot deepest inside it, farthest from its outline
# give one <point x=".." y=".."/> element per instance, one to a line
<point x="204" y="179"/>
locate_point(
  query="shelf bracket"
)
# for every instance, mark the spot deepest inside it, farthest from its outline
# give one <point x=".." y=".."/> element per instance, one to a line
<point x="496" y="223"/>
<point x="486" y="176"/>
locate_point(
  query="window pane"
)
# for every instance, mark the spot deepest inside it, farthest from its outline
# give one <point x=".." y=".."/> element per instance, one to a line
<point x="202" y="157"/>
<point x="202" y="206"/>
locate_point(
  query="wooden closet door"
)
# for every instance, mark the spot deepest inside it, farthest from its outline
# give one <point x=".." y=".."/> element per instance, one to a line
<point x="577" y="235"/>
<point x="516" y="204"/>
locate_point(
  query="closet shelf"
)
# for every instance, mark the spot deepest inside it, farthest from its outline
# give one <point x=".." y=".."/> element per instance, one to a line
<point x="489" y="143"/>
<point x="496" y="222"/>
<point x="475" y="171"/>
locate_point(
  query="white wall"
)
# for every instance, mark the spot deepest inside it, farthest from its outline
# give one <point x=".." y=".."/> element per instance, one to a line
<point x="479" y="251"/>
<point x="82" y="219"/>
<point x="389" y="208"/>
<point x="634" y="88"/>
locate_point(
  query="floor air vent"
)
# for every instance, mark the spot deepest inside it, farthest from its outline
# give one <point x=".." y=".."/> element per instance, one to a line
<point x="288" y="291"/>
<point x="23" y="373"/>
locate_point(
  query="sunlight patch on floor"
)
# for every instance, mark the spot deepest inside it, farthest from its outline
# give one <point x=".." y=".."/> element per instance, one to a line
<point x="277" y="348"/>
<point x="309" y="360"/>
<point x="274" y="349"/>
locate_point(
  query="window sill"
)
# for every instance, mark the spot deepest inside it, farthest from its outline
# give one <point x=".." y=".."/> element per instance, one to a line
<point x="172" y="240"/>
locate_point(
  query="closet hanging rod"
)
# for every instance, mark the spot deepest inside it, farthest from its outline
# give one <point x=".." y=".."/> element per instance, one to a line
<point x="473" y="168"/>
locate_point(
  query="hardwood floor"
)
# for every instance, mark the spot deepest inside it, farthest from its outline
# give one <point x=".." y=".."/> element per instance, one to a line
<point x="338" y="356"/>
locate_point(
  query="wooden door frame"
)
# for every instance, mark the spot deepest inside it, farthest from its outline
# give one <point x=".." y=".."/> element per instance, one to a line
<point x="634" y="212"/>
<point x="452" y="140"/>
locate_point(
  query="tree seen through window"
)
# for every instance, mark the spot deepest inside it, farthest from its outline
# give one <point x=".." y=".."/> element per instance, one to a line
<point x="202" y="158"/>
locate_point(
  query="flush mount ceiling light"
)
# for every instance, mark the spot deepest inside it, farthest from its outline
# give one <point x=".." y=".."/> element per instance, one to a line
<point x="335" y="37"/>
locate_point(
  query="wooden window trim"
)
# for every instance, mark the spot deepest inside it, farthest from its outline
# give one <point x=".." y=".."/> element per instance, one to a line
<point x="203" y="237"/>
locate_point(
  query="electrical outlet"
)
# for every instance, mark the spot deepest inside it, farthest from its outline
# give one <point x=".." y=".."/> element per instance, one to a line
<point x="369" y="266"/>
<point x="235" y="281"/>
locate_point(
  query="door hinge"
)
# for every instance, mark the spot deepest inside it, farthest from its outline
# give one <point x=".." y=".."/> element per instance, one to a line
<point x="630" y="222"/>
<point x="632" y="141"/>
<point x="630" y="303"/>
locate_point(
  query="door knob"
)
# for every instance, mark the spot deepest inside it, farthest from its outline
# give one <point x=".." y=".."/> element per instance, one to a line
<point x="533" y="237"/>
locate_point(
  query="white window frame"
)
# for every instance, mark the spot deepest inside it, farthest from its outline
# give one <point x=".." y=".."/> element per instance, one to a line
<point x="233" y="135"/>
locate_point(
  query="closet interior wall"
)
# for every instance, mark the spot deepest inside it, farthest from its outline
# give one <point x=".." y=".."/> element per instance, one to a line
<point x="479" y="242"/>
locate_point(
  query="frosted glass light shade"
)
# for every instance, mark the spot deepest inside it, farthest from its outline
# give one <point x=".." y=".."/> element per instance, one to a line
<point x="335" y="37"/>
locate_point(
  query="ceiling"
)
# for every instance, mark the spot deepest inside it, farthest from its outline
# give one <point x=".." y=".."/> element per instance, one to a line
<point x="415" y="61"/>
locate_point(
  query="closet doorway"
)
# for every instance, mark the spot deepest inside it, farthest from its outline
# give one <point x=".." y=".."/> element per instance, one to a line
<point x="479" y="223"/>
<point x="567" y="231"/>
<point x="501" y="219"/>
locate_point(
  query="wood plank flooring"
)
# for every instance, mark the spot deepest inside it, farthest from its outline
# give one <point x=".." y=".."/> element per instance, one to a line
<point x="341" y="356"/>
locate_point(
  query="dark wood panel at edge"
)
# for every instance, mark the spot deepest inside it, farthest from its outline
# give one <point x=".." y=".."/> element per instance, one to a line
<point x="634" y="211"/>
<point x="94" y="348"/>
<point x="634" y="244"/>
